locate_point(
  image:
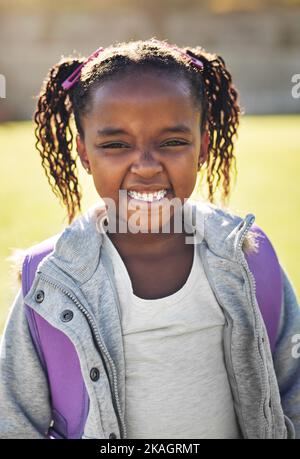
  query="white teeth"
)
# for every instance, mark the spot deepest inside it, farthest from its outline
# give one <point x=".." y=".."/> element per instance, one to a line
<point x="149" y="197"/>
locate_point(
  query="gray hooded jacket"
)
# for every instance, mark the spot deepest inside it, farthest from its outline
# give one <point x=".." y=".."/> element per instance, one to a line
<point x="79" y="277"/>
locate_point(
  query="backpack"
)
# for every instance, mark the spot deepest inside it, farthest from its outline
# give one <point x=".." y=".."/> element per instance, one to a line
<point x="69" y="398"/>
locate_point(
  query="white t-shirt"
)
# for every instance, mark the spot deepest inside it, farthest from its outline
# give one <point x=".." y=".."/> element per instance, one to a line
<point x="176" y="382"/>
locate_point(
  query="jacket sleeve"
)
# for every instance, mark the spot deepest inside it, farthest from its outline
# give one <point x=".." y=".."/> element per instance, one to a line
<point x="287" y="354"/>
<point x="24" y="394"/>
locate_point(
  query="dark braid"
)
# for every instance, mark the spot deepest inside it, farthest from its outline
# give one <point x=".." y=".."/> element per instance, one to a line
<point x="55" y="137"/>
<point x="211" y="89"/>
<point x="221" y="117"/>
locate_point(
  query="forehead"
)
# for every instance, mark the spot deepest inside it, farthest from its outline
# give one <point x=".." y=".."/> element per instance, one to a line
<point x="149" y="99"/>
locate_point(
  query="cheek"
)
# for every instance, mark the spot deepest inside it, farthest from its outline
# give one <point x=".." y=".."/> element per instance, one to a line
<point x="106" y="186"/>
<point x="108" y="177"/>
<point x="184" y="177"/>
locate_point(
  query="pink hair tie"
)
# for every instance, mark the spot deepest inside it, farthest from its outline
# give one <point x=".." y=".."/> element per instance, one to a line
<point x="71" y="80"/>
<point x="199" y="64"/>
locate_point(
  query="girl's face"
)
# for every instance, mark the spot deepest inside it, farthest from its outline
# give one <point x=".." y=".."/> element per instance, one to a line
<point x="143" y="134"/>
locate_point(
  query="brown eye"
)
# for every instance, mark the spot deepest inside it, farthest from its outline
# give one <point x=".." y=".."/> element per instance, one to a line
<point x="113" y="145"/>
<point x="178" y="143"/>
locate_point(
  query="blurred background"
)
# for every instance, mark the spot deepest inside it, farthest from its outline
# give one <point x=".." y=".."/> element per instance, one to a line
<point x="260" y="43"/>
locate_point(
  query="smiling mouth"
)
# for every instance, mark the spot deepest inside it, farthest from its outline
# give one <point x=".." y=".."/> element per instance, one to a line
<point x="148" y="197"/>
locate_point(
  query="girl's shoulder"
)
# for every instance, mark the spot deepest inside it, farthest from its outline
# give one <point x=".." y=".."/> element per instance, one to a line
<point x="220" y="226"/>
<point x="83" y="228"/>
<point x="213" y="211"/>
<point x="18" y="255"/>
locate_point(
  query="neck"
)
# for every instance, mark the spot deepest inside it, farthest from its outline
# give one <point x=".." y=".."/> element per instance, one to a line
<point x="148" y="244"/>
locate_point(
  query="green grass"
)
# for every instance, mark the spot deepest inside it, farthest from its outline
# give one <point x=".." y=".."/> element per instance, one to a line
<point x="268" y="162"/>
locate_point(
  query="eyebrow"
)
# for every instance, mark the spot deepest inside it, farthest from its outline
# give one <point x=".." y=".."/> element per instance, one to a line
<point x="110" y="131"/>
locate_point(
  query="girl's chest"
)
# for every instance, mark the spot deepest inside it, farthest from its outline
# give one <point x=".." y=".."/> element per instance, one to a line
<point x="152" y="279"/>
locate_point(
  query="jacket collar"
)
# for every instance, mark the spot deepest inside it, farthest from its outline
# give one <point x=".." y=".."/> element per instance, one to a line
<point x="78" y="248"/>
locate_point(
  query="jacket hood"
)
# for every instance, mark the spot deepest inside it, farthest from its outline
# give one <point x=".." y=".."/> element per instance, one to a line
<point x="78" y="247"/>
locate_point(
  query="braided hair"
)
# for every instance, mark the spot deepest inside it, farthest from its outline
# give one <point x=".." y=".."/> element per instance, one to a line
<point x="58" y="110"/>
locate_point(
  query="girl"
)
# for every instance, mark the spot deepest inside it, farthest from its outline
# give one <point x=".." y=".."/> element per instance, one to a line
<point x="163" y="318"/>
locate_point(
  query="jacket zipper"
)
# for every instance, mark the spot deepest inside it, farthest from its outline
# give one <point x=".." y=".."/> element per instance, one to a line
<point x="116" y="401"/>
<point x="227" y="337"/>
<point x="252" y="290"/>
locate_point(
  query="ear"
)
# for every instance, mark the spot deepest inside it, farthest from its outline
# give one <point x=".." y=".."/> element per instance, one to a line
<point x="81" y="150"/>
<point x="205" y="138"/>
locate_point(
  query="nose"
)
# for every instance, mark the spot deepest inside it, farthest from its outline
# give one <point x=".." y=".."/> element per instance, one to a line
<point x="146" y="165"/>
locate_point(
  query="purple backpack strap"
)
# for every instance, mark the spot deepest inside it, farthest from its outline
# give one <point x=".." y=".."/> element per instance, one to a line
<point x="265" y="267"/>
<point x="69" y="398"/>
